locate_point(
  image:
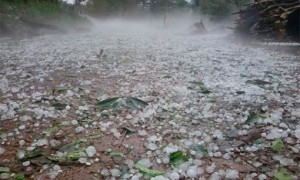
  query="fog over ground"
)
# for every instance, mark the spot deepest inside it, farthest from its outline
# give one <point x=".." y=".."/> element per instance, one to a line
<point x="207" y="105"/>
<point x="177" y="23"/>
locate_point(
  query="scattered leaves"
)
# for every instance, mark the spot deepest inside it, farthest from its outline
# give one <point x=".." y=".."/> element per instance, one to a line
<point x="4" y="170"/>
<point x="75" y="155"/>
<point x="95" y="136"/>
<point x="59" y="90"/>
<point x="277" y="145"/>
<point x="178" y="157"/>
<point x="240" y="92"/>
<point x="68" y="147"/>
<point x="128" y="130"/>
<point x="31" y="155"/>
<point x="108" y="103"/>
<point x="20" y="176"/>
<point x="200" y="148"/>
<point x="148" y="171"/>
<point x="265" y="169"/>
<point x="167" y="77"/>
<point x="252" y="118"/>
<point x="51" y="130"/>
<point x="114" y="154"/>
<point x="127" y="102"/>
<point x="258" y="82"/>
<point x="200" y="87"/>
<point x="69" y="158"/>
<point x="59" y="106"/>
<point x="282" y="175"/>
<point x="272" y="73"/>
<point x="135" y="103"/>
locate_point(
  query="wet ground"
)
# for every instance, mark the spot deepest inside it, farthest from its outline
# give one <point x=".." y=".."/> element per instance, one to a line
<point x="206" y="107"/>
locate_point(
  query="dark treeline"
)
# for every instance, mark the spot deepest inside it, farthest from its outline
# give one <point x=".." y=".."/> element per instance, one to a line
<point x="216" y="9"/>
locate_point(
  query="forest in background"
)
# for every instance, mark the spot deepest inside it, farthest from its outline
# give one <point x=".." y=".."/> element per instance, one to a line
<point x="64" y="15"/>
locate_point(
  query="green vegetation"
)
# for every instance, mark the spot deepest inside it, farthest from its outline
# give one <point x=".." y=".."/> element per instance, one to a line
<point x="218" y="9"/>
<point x="50" y="12"/>
<point x="36" y="9"/>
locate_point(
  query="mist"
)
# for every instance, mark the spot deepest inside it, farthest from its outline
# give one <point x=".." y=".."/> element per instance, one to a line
<point x="116" y="90"/>
<point x="180" y="23"/>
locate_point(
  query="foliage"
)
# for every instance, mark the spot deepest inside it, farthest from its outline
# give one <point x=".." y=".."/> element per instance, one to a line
<point x="282" y="175"/>
<point x="148" y="171"/>
<point x="218" y="9"/>
<point x="20" y="176"/>
<point x="178" y="157"/>
<point x="105" y="7"/>
<point x="118" y="102"/>
<point x="277" y="145"/>
<point x="53" y="11"/>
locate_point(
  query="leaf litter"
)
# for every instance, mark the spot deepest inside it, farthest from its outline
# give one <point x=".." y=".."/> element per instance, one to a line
<point x="185" y="115"/>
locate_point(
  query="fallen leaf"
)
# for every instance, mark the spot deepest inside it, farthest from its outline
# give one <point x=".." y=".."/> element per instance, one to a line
<point x="108" y="103"/>
<point x="282" y="175"/>
<point x="4" y="170"/>
<point x="31" y="155"/>
<point x="59" y="106"/>
<point x="277" y="145"/>
<point x="252" y="118"/>
<point x="148" y="171"/>
<point x="178" y="157"/>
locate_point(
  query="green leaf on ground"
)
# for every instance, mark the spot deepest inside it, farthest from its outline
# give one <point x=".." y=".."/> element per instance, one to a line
<point x="282" y="175"/>
<point x="200" y="148"/>
<point x="128" y="102"/>
<point x="32" y="155"/>
<point x="114" y="154"/>
<point x="108" y="103"/>
<point x="178" y="157"/>
<point x="75" y="155"/>
<point x="200" y="87"/>
<point x="60" y="90"/>
<point x="59" y="106"/>
<point x="277" y="145"/>
<point x="199" y="83"/>
<point x="272" y="73"/>
<point x="4" y="170"/>
<point x="135" y="103"/>
<point x="68" y="147"/>
<point x="95" y="136"/>
<point x="258" y="141"/>
<point x="240" y="92"/>
<point x="51" y="130"/>
<point x="167" y="76"/>
<point x="128" y="130"/>
<point x="252" y="118"/>
<point x="265" y="169"/>
<point x="148" y="171"/>
<point x="71" y="156"/>
<point x="20" y="176"/>
<point x="204" y="90"/>
<point x="258" y="82"/>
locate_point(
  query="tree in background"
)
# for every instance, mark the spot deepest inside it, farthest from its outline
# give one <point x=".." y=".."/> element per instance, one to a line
<point x="105" y="7"/>
<point x="218" y="9"/>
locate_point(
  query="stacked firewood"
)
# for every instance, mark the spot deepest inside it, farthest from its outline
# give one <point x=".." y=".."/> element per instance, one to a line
<point x="272" y="19"/>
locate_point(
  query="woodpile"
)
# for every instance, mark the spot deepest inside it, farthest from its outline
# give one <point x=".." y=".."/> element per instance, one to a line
<point x="271" y="19"/>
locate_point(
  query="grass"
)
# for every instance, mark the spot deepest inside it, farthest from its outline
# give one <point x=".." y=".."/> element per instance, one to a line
<point x="60" y="14"/>
<point x="36" y="9"/>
